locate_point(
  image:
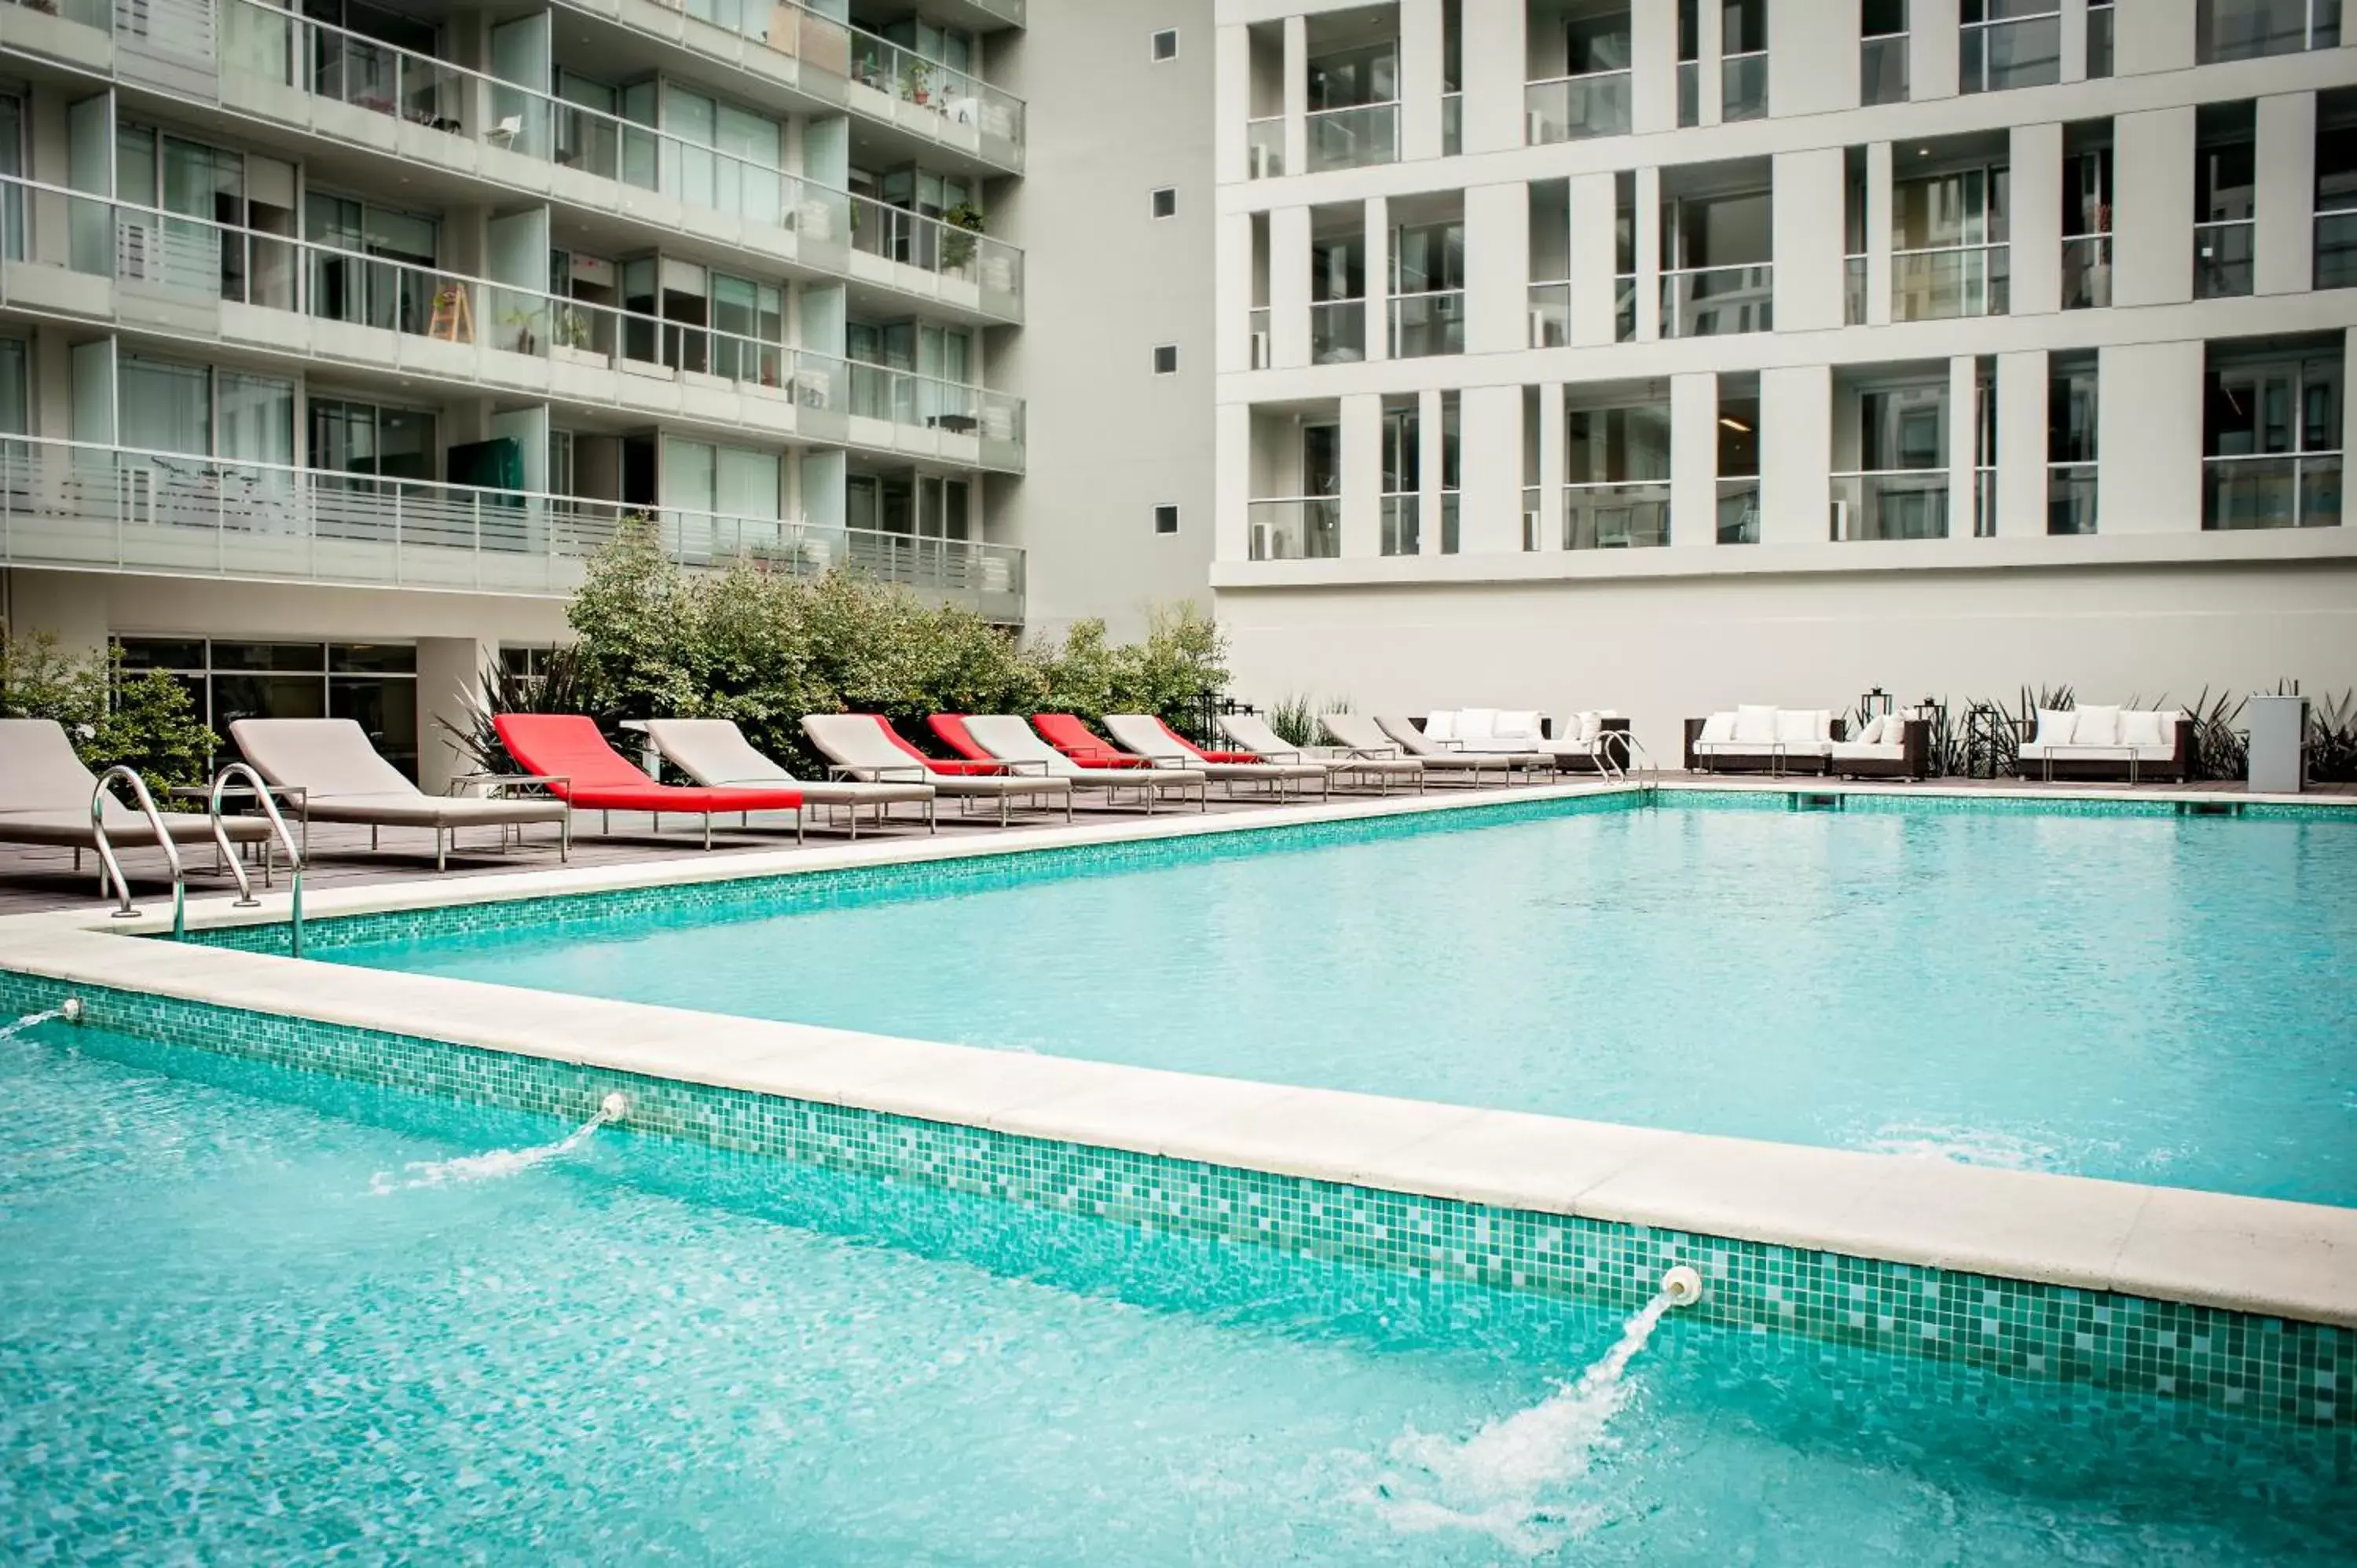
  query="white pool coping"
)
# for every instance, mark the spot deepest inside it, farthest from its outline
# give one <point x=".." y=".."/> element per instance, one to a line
<point x="2254" y="1255"/>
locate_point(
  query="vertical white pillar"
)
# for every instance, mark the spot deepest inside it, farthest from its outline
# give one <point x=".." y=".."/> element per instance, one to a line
<point x="1807" y="237"/>
<point x="2036" y="217"/>
<point x="1232" y="480"/>
<point x="2074" y="40"/>
<point x="1428" y="466"/>
<point x="2284" y="245"/>
<point x="1964" y="428"/>
<point x="1288" y="286"/>
<point x="1593" y="215"/>
<point x="1694" y="459"/>
<point x="2152" y="213"/>
<point x="2348" y="403"/>
<point x="1932" y="44"/>
<point x="1379" y="278"/>
<point x="1551" y="432"/>
<point x="1493" y="51"/>
<point x="2021" y="386"/>
<point x="1710" y="97"/>
<point x="1233" y="262"/>
<point x="2148" y="438"/>
<point x="1497" y="268"/>
<point x="1490" y="506"/>
<point x="1649" y="254"/>
<point x="1420" y="47"/>
<point x="1652" y="68"/>
<point x="1813" y="57"/>
<point x="1796" y="454"/>
<point x="1877" y="233"/>
<point x="2153" y="35"/>
<point x="1231" y="104"/>
<point x="1297" y="95"/>
<point x="1363" y="474"/>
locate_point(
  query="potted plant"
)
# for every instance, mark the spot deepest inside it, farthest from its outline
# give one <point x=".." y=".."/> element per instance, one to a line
<point x="960" y="224"/>
<point x="918" y="81"/>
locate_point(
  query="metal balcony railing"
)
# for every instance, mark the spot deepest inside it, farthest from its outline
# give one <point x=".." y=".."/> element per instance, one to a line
<point x="74" y="505"/>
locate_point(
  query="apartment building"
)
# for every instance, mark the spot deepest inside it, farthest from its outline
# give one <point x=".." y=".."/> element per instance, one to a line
<point x="333" y="338"/>
<point x="1658" y="354"/>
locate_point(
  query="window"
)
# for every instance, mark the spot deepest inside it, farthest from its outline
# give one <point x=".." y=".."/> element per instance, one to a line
<point x="1166" y="359"/>
<point x="1428" y="305"/>
<point x="1892" y="481"/>
<point x="1949" y="254"/>
<point x="1743" y="59"/>
<point x="1689" y="63"/>
<point x="12" y="163"/>
<point x="1164" y="201"/>
<point x="2336" y="188"/>
<point x="2226" y="212"/>
<point x="2087" y="215"/>
<point x="1579" y="59"/>
<point x="1738" y="460"/>
<point x="1338" y="289"/>
<point x="1165" y="45"/>
<point x="2011" y="43"/>
<point x="1616" y="471"/>
<point x="2270" y="434"/>
<point x="2099" y="39"/>
<point x="1166" y="518"/>
<point x="362" y="439"/>
<point x="374" y="683"/>
<point x="1450" y="474"/>
<point x="1402" y="484"/>
<point x="1882" y="51"/>
<point x="16" y="413"/>
<point x="2071" y="443"/>
<point x="1715" y="264"/>
<point x="2246" y="29"/>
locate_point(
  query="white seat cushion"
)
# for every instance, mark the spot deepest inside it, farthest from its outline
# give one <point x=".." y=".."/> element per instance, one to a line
<point x="2096" y="726"/>
<point x="1476" y="724"/>
<point x="2154" y="753"/>
<point x="1756" y="725"/>
<point x="1441" y="725"/>
<point x="1716" y="729"/>
<point x="1798" y="726"/>
<point x="1586" y="725"/>
<point x="1519" y="724"/>
<point x="2144" y="727"/>
<point x="2054" y="725"/>
<point x="1859" y="750"/>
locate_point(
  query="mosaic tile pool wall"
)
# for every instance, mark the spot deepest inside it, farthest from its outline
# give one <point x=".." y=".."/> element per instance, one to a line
<point x="2272" y="1369"/>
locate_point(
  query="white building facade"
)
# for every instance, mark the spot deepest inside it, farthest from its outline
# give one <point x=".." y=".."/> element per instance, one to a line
<point x="1658" y="356"/>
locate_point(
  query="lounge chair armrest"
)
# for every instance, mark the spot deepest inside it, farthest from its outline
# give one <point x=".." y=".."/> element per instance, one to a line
<point x="495" y="782"/>
<point x="914" y="772"/>
<point x="295" y="795"/>
<point x="1029" y="767"/>
<point x="1375" y="753"/>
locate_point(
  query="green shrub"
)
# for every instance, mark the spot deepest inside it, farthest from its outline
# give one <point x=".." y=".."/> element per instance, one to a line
<point x="144" y="721"/>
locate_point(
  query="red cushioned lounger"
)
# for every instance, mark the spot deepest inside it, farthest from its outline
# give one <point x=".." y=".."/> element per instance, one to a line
<point x="592" y="774"/>
<point x="951" y="731"/>
<point x="1068" y="735"/>
<point x="975" y="762"/>
<point x="1187" y="747"/>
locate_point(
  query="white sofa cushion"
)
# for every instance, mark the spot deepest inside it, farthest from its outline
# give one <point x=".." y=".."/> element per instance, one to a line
<point x="1716" y="729"/>
<point x="1870" y="733"/>
<point x="2054" y="725"/>
<point x="1586" y="725"/>
<point x="2096" y="726"/>
<point x="1796" y="727"/>
<point x="2146" y="728"/>
<point x="1517" y="724"/>
<point x="2154" y="753"/>
<point x="1441" y="725"/>
<point x="1756" y="725"/>
<point x="1887" y="751"/>
<point x="1476" y="724"/>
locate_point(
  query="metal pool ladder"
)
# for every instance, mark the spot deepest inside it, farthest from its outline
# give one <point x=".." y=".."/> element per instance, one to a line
<point x="245" y="898"/>
<point x="146" y="804"/>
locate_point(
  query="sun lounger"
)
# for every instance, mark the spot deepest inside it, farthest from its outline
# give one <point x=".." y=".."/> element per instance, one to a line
<point x="1251" y="732"/>
<point x="715" y="752"/>
<point x="1445" y="757"/>
<point x="1370" y="737"/>
<point x="45" y="794"/>
<point x="1594" y="740"/>
<point x="1068" y="735"/>
<point x="1150" y="737"/>
<point x="866" y="747"/>
<point x="343" y="780"/>
<point x="1005" y="737"/>
<point x="567" y="750"/>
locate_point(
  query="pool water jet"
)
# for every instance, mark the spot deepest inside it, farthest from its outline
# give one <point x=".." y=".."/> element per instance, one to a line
<point x="497" y="1162"/>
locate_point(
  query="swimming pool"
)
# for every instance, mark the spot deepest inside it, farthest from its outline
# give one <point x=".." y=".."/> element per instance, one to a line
<point x="250" y="1313"/>
<point x="2147" y="997"/>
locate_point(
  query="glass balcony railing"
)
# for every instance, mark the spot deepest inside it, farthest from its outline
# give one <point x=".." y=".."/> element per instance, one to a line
<point x="1448" y="522"/>
<point x="1616" y="516"/>
<point x="1893" y="503"/>
<point x="933" y="245"/>
<point x="1257" y="324"/>
<point x="1934" y="286"/>
<point x="1689" y="93"/>
<point x="2087" y="272"/>
<point x="1296" y="527"/>
<point x="1402" y="522"/>
<point x="1573" y="107"/>
<point x="900" y="73"/>
<point x="1739" y="510"/>
<point x="1452" y="124"/>
<point x="1984" y="503"/>
<point x="1424" y="325"/>
<point x="1716" y="301"/>
<point x="1534" y="520"/>
<point x="1550" y="314"/>
<point x="171" y="252"/>
<point x="1882" y="70"/>
<point x="2272" y="490"/>
<point x="1354" y="137"/>
<point x="505" y="119"/>
<point x="1743" y="86"/>
<point x="2222" y="259"/>
<point x="1854" y="291"/>
<point x="1338" y="331"/>
<point x="1624" y="308"/>
<point x="1265" y="147"/>
<point x="76" y="506"/>
<point x="2336" y="249"/>
<point x="2009" y="52"/>
<point x="2071" y="498"/>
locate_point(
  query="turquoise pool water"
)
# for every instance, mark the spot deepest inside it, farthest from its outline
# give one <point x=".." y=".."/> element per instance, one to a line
<point x="2151" y="999"/>
<point x="251" y="1316"/>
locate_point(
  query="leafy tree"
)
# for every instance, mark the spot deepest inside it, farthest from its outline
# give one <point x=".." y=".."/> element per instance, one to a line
<point x="144" y="720"/>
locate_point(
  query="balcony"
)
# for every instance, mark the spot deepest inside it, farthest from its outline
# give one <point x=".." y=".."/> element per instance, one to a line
<point x="942" y="249"/>
<point x="2336" y="249"/>
<point x="72" y="506"/>
<point x="1574" y="108"/>
<point x="1738" y="511"/>
<point x="1265" y="147"/>
<point x="1891" y="504"/>
<point x="1616" y="516"/>
<point x="1338" y="331"/>
<point x="1550" y="314"/>
<point x="1743" y="86"/>
<point x="2002" y="52"/>
<point x="2271" y="490"/>
<point x="1353" y="138"/>
<point x="1424" y="325"/>
<point x="1716" y="301"/>
<point x="1296" y="527"/>
<point x="1882" y="70"/>
<point x="1402" y="522"/>
<point x="1452" y="124"/>
<point x="1951" y="281"/>
<point x="1256" y="324"/>
<point x="2223" y="259"/>
<point x="2087" y="272"/>
<point x="281" y="295"/>
<point x="2071" y="498"/>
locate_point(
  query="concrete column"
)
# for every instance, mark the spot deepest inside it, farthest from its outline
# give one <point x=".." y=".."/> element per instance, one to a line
<point x="1297" y="95"/>
<point x="1497" y="268"/>
<point x="1232" y="264"/>
<point x="2348" y="403"/>
<point x="1379" y="278"/>
<point x="1807" y="237"/>
<point x="1419" y="75"/>
<point x="2284" y="245"/>
<point x="1709" y="96"/>
<point x="2152" y="211"/>
<point x="1877" y="233"/>
<point x="2036" y="220"/>
<point x="1653" y="68"/>
<point x="1796" y="454"/>
<point x="1490" y="506"/>
<point x="1289" y="287"/>
<point x="2074" y="40"/>
<point x="1492" y="52"/>
<point x="1231" y="481"/>
<point x="2149" y="437"/>
<point x="1693" y="460"/>
<point x="1592" y="216"/>
<point x="448" y="669"/>
<point x="1933" y="49"/>
<point x="1550" y="534"/>
<point x="1363" y="474"/>
<point x="1964" y="428"/>
<point x="1428" y="466"/>
<point x="1649" y="254"/>
<point x="2021" y="443"/>
<point x="1813" y="57"/>
<point x="1231" y="104"/>
<point x="2153" y="35"/>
